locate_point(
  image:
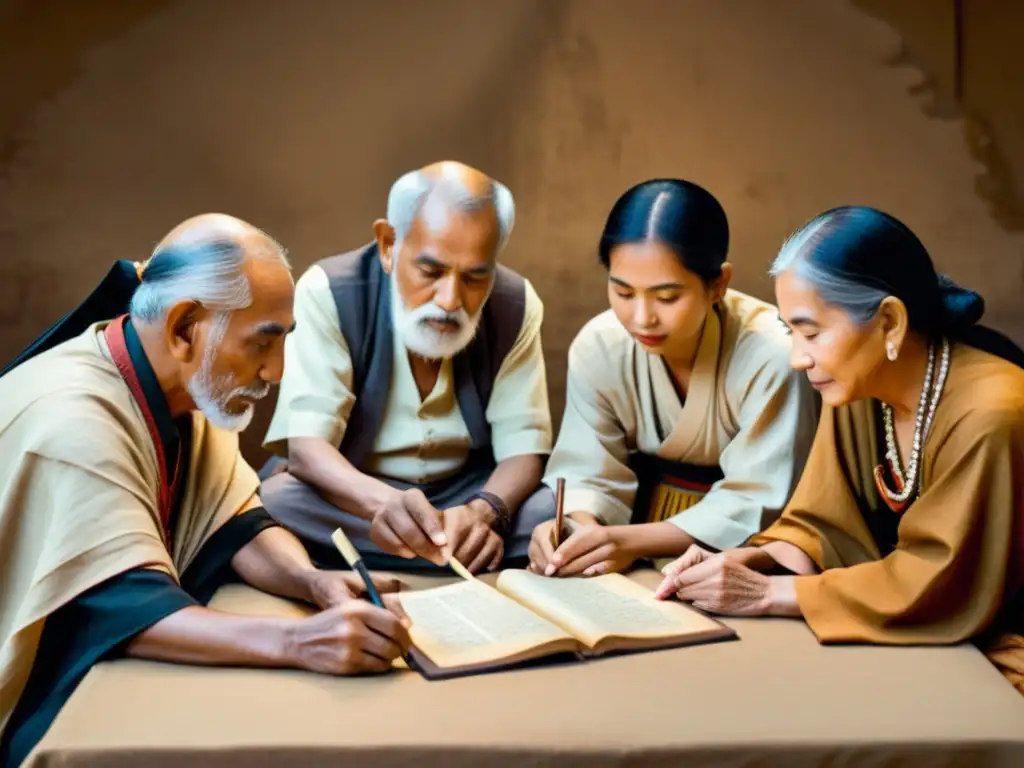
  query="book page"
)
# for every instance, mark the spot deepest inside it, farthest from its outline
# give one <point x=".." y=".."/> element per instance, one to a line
<point x="603" y="606"/>
<point x="472" y="623"/>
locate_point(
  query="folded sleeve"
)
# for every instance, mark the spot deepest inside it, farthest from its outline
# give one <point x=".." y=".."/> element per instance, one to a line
<point x="777" y="415"/>
<point x="946" y="580"/>
<point x="315" y="396"/>
<point x="824" y="518"/>
<point x="518" y="412"/>
<point x="211" y="567"/>
<point x="97" y="625"/>
<point x="592" y="452"/>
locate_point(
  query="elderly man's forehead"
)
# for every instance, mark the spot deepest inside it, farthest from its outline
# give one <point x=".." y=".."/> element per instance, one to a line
<point x="439" y="213"/>
<point x="271" y="308"/>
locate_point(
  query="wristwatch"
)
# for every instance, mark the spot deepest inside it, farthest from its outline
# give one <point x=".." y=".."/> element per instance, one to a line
<point x="503" y="521"/>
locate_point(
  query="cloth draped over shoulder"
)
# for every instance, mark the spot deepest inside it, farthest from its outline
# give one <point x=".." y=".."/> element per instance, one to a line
<point x="80" y="489"/>
<point x="951" y="567"/>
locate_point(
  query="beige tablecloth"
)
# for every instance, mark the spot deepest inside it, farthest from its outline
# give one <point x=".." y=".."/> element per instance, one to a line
<point x="773" y="698"/>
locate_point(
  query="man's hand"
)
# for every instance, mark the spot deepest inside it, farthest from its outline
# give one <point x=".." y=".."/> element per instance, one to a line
<point x="472" y="539"/>
<point x="329" y="589"/>
<point x="409" y="526"/>
<point x="353" y="638"/>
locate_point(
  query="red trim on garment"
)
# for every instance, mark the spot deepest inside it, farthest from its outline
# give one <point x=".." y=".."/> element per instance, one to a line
<point x="114" y="334"/>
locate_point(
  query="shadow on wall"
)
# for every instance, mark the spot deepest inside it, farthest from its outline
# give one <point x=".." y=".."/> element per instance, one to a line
<point x="974" y="72"/>
<point x="129" y="117"/>
<point x="41" y="42"/>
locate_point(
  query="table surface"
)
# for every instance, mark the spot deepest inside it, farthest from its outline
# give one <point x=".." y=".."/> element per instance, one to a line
<point x="774" y="697"/>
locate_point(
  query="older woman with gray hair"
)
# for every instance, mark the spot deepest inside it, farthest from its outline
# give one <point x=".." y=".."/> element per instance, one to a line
<point x="413" y="412"/>
<point x="906" y="526"/>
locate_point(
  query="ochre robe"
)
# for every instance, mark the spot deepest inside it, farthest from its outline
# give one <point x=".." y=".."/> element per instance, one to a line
<point x="79" y="490"/>
<point x="951" y="567"/>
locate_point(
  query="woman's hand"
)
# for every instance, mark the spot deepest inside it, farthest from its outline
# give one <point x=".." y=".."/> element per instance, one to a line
<point x="752" y="557"/>
<point x="695" y="554"/>
<point x="541" y="550"/>
<point x="724" y="583"/>
<point x="724" y="586"/>
<point x="591" y="551"/>
<point x="542" y="547"/>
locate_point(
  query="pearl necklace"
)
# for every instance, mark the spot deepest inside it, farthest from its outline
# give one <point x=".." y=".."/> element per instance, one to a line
<point x="907" y="485"/>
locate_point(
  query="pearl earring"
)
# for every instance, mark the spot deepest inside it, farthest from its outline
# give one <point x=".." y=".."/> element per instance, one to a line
<point x="890" y="351"/>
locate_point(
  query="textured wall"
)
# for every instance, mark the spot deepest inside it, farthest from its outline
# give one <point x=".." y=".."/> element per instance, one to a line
<point x="297" y="116"/>
<point x="970" y="53"/>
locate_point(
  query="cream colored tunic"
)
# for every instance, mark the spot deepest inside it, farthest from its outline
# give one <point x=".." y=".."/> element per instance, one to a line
<point x="79" y="493"/>
<point x="746" y="411"/>
<point x="420" y="440"/>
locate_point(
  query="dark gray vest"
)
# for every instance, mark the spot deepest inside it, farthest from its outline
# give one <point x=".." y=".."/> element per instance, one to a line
<point x="362" y="295"/>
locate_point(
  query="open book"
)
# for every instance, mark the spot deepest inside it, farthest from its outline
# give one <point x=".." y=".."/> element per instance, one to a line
<point x="470" y="627"/>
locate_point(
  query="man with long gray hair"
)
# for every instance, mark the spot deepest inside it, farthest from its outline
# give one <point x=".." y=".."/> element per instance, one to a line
<point x="414" y="411"/>
<point x="124" y="501"/>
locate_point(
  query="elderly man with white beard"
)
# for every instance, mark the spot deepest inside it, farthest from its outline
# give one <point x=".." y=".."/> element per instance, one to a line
<point x="124" y="501"/>
<point x="413" y="412"/>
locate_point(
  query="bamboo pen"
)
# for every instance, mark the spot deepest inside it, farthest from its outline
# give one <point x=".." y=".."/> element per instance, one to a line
<point x="559" y="512"/>
<point x="355" y="562"/>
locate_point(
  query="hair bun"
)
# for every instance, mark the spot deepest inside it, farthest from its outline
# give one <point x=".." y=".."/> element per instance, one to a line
<point x="962" y="308"/>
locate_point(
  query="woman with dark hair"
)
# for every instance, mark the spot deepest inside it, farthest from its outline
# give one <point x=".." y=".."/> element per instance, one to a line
<point x="907" y="526"/>
<point x="684" y="422"/>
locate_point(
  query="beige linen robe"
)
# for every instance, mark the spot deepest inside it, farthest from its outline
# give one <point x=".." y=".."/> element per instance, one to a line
<point x="79" y="490"/>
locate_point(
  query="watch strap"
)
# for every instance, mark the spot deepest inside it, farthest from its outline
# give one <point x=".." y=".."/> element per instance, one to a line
<point x="503" y="518"/>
